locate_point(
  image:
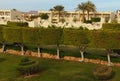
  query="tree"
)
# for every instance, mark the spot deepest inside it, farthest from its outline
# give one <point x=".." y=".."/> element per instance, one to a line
<point x="90" y="7"/>
<point x="106" y="39"/>
<point x="82" y="7"/>
<point x="31" y="38"/>
<point x="13" y="36"/>
<point x="2" y="41"/>
<point x="59" y="9"/>
<point x="32" y="17"/>
<point x="51" y="36"/>
<point x="78" y="38"/>
<point x="44" y="16"/>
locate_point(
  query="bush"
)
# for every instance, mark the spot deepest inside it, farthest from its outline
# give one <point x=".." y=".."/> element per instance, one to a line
<point x="21" y="24"/>
<point x="28" y="67"/>
<point x="44" y="16"/>
<point x="103" y="72"/>
<point x="116" y="51"/>
<point x="95" y="19"/>
<point x="88" y="21"/>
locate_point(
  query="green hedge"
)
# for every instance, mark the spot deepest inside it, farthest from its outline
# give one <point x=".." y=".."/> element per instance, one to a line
<point x="1" y="34"/>
<point x="19" y="24"/>
<point x="95" y="19"/>
<point x="111" y="26"/>
<point x="30" y="36"/>
<point x="12" y="35"/>
<point x="88" y="21"/>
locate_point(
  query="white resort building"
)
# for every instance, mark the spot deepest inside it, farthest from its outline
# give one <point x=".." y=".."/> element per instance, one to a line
<point x="10" y="15"/>
<point x="118" y="16"/>
<point x="73" y="19"/>
<point x="71" y="16"/>
<point x="66" y="18"/>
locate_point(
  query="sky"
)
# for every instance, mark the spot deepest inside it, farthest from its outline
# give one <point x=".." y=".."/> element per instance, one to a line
<point x="69" y="5"/>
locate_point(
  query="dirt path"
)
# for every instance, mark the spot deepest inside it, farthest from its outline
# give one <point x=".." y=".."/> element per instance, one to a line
<point x="46" y="55"/>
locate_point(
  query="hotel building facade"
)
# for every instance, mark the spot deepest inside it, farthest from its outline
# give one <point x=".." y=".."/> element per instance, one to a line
<point x="77" y="16"/>
<point x="10" y="15"/>
<point x="118" y="16"/>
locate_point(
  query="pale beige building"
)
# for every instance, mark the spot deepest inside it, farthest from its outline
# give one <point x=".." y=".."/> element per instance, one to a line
<point x="10" y="15"/>
<point x="118" y="16"/>
<point x="77" y="16"/>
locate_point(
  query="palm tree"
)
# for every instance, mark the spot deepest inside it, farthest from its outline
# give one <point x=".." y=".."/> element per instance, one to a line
<point x="59" y="9"/>
<point x="90" y="7"/>
<point x="52" y="10"/>
<point x="82" y="7"/>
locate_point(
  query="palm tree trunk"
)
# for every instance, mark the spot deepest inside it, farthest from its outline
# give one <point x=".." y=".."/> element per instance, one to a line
<point x="83" y="17"/>
<point x="88" y="14"/>
<point x="58" y="16"/>
<point x="79" y="16"/>
<point x="51" y="16"/>
<point x="58" y="52"/>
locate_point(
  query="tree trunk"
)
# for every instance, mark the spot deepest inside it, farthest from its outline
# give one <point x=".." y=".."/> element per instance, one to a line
<point x="51" y="16"/>
<point x="82" y="56"/>
<point x="109" y="62"/>
<point x="108" y="56"/>
<point x="79" y="17"/>
<point x="39" y="52"/>
<point x="83" y="17"/>
<point x="3" y="48"/>
<point x="82" y="49"/>
<point x="22" y="50"/>
<point x="58" y="52"/>
<point x="58" y="16"/>
<point x="88" y="14"/>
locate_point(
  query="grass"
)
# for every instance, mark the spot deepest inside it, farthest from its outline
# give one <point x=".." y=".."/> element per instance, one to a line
<point x="51" y="70"/>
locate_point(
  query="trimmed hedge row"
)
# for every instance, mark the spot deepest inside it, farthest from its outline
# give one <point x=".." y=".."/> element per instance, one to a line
<point x="20" y="24"/>
<point x="54" y="36"/>
<point x="111" y="26"/>
<point x="38" y="37"/>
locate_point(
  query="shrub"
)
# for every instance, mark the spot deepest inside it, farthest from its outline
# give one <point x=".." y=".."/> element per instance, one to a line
<point x="88" y="21"/>
<point x="44" y="16"/>
<point x="103" y="72"/>
<point x="21" y="24"/>
<point x="95" y="19"/>
<point x="28" y="67"/>
<point x="33" y="17"/>
<point x="116" y="51"/>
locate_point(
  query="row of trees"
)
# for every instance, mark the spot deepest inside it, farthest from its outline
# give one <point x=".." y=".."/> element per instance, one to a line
<point x="38" y="37"/>
<point x="84" y="7"/>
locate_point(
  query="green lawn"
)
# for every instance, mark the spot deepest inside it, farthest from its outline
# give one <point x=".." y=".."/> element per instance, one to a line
<point x="51" y="70"/>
